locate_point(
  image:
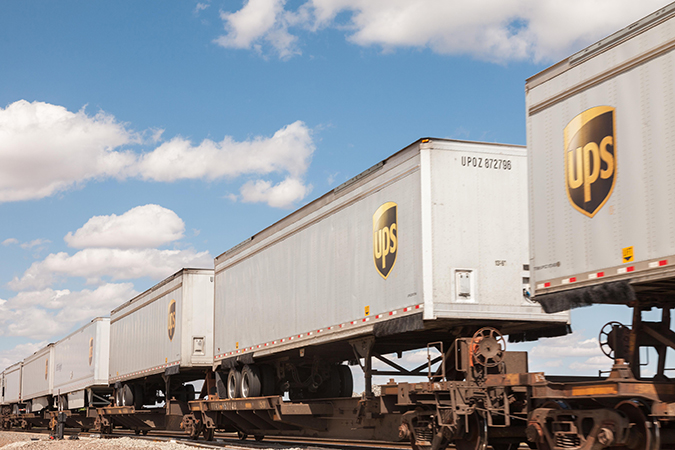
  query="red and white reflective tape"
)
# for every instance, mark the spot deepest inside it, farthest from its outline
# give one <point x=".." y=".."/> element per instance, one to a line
<point x="636" y="268"/>
<point x="141" y="372"/>
<point x="324" y="330"/>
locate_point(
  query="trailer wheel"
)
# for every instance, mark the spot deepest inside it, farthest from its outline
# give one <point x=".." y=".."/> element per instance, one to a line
<point x="127" y="396"/>
<point x="346" y="381"/>
<point x="233" y="383"/>
<point x="250" y="382"/>
<point x="332" y="387"/>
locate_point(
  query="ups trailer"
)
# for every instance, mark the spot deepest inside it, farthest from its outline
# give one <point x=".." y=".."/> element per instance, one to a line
<point x="81" y="374"/>
<point x="602" y="190"/>
<point x="159" y="342"/>
<point x="427" y="245"/>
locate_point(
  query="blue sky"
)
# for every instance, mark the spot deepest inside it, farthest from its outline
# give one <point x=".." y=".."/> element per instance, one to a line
<point x="140" y="137"/>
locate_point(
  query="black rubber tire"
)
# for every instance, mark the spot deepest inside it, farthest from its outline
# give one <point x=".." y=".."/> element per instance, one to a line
<point x="221" y="384"/>
<point x="233" y="386"/>
<point x="346" y="381"/>
<point x="127" y="396"/>
<point x="250" y="382"/>
<point x="138" y="399"/>
<point x="267" y="380"/>
<point x="331" y="387"/>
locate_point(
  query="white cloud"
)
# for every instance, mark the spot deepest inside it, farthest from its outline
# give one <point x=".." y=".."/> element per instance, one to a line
<point x="35" y="243"/>
<point x="45" y="149"/>
<point x="201" y="7"/>
<point x="572" y="345"/>
<point x="19" y="353"/>
<point x="10" y="241"/>
<point x="281" y="195"/>
<point x="118" y="264"/>
<point x="58" y="311"/>
<point x="140" y="227"/>
<point x="258" y="22"/>
<point x="288" y="150"/>
<point x="495" y="30"/>
<point x="592" y="365"/>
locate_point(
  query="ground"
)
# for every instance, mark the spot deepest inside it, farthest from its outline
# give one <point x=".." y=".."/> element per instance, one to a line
<point x="32" y="441"/>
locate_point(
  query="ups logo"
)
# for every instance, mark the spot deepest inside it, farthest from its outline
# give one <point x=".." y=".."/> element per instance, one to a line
<point x="91" y="350"/>
<point x="385" y="238"/>
<point x="590" y="159"/>
<point x="172" y="319"/>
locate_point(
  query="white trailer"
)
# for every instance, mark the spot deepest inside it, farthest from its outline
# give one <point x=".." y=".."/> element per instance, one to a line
<point x="428" y="241"/>
<point x="602" y="190"/>
<point x="81" y="363"/>
<point x="165" y="330"/>
<point x="12" y="385"/>
<point x="37" y="379"/>
<point x="602" y="157"/>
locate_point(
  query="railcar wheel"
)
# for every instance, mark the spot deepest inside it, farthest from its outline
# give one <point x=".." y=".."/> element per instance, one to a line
<point x="259" y="437"/>
<point x="476" y="437"/>
<point x="644" y="433"/>
<point x="346" y="381"/>
<point x="145" y="432"/>
<point x="234" y="383"/>
<point x="209" y="433"/>
<point x="250" y="382"/>
<point x="137" y="432"/>
<point x="242" y="436"/>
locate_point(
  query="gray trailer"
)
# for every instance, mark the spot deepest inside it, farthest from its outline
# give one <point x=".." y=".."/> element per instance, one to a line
<point x="427" y="245"/>
<point x="159" y="342"/>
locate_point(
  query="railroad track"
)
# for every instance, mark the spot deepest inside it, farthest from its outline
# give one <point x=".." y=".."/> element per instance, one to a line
<point x="230" y="440"/>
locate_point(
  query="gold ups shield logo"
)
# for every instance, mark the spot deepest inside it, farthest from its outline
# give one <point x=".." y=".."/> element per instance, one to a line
<point x="172" y="319"/>
<point x="385" y="238"/>
<point x="590" y="159"/>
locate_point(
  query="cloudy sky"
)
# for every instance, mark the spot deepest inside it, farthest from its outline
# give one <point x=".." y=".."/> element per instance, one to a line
<point x="137" y="138"/>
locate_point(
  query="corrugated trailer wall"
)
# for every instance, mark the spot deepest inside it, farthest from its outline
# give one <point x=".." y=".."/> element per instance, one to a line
<point x="13" y="383"/>
<point x="439" y="229"/>
<point x="81" y="359"/>
<point x="320" y="271"/>
<point x="602" y="158"/>
<point x="168" y="325"/>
